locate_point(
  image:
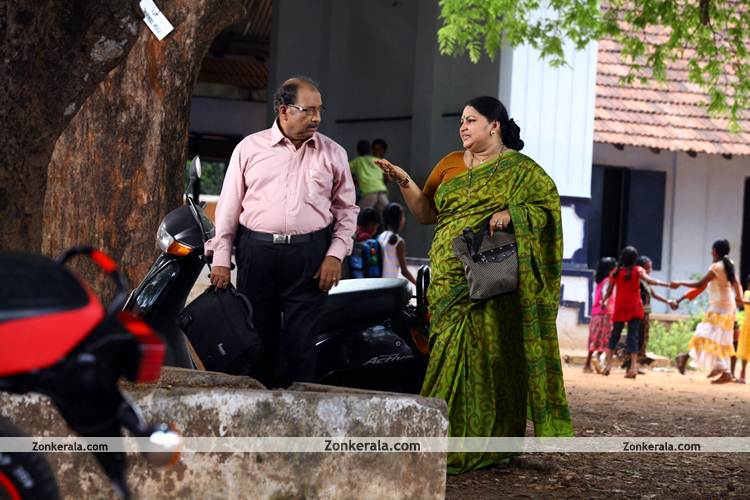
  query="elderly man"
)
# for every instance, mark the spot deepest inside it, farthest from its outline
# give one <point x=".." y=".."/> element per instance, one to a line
<point x="287" y="204"/>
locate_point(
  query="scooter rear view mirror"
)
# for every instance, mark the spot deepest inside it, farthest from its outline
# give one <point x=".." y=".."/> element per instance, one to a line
<point x="193" y="189"/>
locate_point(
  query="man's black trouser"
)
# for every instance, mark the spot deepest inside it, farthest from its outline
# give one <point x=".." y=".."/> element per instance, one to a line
<point x="287" y="302"/>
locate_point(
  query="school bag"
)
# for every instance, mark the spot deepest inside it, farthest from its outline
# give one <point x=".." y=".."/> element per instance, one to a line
<point x="366" y="260"/>
<point x="219" y="325"/>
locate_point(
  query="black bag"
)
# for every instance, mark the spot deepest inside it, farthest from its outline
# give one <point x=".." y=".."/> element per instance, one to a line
<point x="490" y="262"/>
<point x="219" y="325"/>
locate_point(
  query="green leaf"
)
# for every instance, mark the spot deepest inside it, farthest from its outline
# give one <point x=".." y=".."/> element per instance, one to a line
<point x="711" y="50"/>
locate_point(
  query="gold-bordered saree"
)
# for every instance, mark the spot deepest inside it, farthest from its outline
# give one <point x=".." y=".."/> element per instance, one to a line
<point x="496" y="362"/>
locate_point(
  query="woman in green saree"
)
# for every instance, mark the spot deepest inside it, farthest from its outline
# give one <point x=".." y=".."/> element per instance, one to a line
<point x="495" y="362"/>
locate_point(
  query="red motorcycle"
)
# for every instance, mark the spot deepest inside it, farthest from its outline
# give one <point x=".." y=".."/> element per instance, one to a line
<point x="57" y="339"/>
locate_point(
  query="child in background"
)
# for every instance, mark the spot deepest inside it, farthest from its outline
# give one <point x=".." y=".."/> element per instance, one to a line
<point x="366" y="258"/>
<point x="601" y="317"/>
<point x="743" y="344"/>
<point x="368" y="179"/>
<point x="627" y="278"/>
<point x="368" y="223"/>
<point x="393" y="246"/>
<point x="712" y="342"/>
<point x="647" y="293"/>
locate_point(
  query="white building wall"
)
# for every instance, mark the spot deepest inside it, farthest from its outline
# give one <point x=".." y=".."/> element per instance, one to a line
<point x="708" y="206"/>
<point x="555" y="109"/>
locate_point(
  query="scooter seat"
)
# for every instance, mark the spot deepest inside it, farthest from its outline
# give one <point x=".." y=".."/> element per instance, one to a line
<point x="33" y="285"/>
<point x="44" y="313"/>
<point x="358" y="299"/>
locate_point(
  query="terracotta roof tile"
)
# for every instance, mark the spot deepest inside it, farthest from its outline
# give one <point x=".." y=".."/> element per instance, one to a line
<point x="670" y="116"/>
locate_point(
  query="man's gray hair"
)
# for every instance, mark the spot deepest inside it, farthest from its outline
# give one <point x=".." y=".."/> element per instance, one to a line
<point x="287" y="93"/>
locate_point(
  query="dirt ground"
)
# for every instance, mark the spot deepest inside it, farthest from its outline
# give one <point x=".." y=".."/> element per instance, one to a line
<point x="655" y="404"/>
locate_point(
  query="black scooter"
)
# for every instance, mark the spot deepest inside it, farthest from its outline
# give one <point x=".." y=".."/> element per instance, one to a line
<point x="371" y="336"/>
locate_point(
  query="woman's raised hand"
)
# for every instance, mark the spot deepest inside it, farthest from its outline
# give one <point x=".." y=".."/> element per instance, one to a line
<point x="393" y="172"/>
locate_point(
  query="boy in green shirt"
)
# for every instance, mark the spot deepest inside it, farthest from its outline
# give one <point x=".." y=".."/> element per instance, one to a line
<point x="369" y="179"/>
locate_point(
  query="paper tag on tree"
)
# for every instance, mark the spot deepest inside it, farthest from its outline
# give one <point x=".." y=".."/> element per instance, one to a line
<point x="155" y="20"/>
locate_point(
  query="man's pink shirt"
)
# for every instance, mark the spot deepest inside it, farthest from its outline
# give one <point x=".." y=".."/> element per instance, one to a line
<point x="273" y="187"/>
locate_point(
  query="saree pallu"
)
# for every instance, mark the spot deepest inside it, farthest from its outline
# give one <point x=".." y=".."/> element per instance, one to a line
<point x="496" y="362"/>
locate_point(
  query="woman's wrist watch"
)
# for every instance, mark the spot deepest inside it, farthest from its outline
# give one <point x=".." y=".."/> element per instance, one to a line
<point x="404" y="182"/>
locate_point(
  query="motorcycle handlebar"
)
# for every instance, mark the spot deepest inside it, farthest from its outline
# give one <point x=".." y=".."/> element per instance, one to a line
<point x="106" y="264"/>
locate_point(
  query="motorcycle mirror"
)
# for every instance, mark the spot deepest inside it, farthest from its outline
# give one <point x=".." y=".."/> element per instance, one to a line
<point x="196" y="164"/>
<point x="194" y="179"/>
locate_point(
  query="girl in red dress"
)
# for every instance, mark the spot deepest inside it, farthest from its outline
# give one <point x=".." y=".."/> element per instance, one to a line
<point x="626" y="278"/>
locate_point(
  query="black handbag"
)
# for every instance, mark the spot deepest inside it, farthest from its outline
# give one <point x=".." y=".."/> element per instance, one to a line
<point x="490" y="262"/>
<point x="219" y="325"/>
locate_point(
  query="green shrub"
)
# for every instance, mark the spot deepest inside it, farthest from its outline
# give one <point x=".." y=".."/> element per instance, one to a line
<point x="212" y="176"/>
<point x="669" y="342"/>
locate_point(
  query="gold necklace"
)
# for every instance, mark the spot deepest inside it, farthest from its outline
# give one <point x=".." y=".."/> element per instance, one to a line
<point x="497" y="163"/>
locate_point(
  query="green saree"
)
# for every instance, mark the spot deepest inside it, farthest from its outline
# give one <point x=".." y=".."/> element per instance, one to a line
<point x="496" y="362"/>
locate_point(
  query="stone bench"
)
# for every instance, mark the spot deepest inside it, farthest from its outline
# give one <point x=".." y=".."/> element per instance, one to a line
<point x="205" y="404"/>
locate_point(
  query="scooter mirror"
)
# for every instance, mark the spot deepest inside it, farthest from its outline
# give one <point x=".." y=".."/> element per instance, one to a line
<point x="194" y="179"/>
<point x="196" y="164"/>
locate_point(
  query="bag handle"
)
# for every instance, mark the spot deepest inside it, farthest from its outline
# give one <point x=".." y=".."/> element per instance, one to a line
<point x="231" y="289"/>
<point x="474" y="240"/>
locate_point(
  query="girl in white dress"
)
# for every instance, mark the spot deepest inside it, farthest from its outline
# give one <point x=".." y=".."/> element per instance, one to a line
<point x="712" y="343"/>
<point x="393" y="245"/>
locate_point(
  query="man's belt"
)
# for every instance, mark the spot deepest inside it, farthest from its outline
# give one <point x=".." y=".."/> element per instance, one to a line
<point x="283" y="239"/>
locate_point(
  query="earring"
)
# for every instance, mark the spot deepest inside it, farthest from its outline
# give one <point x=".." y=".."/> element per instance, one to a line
<point x="492" y="132"/>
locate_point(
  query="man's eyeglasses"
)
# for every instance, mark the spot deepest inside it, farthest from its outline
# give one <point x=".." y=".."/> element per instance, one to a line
<point x="308" y="111"/>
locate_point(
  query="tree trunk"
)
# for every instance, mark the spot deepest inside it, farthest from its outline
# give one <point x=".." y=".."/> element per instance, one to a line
<point x="53" y="54"/>
<point x="118" y="167"/>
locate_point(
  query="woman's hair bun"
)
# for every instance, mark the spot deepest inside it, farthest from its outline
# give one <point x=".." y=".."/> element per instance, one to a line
<point x="511" y="135"/>
<point x="492" y="109"/>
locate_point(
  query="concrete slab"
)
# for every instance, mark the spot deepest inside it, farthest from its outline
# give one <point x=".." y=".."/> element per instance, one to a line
<point x="210" y="404"/>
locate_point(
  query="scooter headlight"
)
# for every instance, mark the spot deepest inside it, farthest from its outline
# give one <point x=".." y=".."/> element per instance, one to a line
<point x="169" y="245"/>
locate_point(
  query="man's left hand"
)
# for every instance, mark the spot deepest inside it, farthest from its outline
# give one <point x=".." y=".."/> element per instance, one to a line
<point x="329" y="273"/>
